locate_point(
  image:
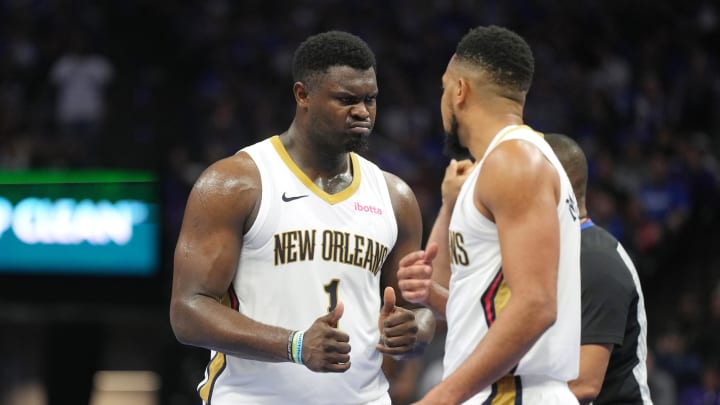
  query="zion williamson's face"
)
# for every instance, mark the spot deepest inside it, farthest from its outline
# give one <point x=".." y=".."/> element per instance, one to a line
<point x="342" y="109"/>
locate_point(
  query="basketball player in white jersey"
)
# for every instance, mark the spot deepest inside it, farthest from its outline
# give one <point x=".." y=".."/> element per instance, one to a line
<point x="509" y="246"/>
<point x="287" y="246"/>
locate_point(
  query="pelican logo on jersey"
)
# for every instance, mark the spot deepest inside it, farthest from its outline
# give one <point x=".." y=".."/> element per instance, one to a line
<point x="457" y="249"/>
<point x="336" y="246"/>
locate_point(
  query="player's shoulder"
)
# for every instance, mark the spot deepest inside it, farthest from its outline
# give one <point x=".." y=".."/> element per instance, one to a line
<point x="516" y="157"/>
<point x="229" y="175"/>
<point x="400" y="191"/>
<point x="396" y="185"/>
<point x="518" y="170"/>
<point x="402" y="197"/>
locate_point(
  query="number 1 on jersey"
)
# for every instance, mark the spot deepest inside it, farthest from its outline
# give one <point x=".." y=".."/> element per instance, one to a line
<point x="331" y="290"/>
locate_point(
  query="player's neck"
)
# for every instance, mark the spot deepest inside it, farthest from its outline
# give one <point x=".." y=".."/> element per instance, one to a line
<point x="483" y="133"/>
<point x="580" y="199"/>
<point x="312" y="156"/>
<point x="332" y="172"/>
<point x="582" y="211"/>
<point x="336" y="183"/>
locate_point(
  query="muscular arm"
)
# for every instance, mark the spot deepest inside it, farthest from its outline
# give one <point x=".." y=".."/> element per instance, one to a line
<point x="409" y="220"/>
<point x="518" y="189"/>
<point x="206" y="257"/>
<point x="438" y="293"/>
<point x="221" y="208"/>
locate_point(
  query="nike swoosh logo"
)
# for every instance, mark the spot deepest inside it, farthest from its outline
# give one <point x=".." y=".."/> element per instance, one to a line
<point x="288" y="199"/>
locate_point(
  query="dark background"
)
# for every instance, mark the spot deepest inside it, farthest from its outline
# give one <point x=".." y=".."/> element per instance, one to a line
<point x="635" y="82"/>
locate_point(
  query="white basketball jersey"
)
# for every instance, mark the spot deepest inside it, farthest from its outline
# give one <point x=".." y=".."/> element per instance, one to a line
<point x="306" y="250"/>
<point x="478" y="292"/>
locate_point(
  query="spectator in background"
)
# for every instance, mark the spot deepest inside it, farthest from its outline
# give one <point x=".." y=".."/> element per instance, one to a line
<point x="672" y="353"/>
<point x="665" y="200"/>
<point x="707" y="391"/>
<point x="663" y="390"/>
<point x="701" y="171"/>
<point x="708" y="343"/>
<point x="81" y="76"/>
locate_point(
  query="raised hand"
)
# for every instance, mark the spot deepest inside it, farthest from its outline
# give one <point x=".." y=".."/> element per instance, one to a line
<point x="455" y="174"/>
<point x="398" y="328"/>
<point x="326" y="348"/>
<point x="415" y="274"/>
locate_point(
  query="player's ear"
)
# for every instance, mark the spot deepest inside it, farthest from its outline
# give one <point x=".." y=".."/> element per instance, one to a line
<point x="462" y="90"/>
<point x="300" y="91"/>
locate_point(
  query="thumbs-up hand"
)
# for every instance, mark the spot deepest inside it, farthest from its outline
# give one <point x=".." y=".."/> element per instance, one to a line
<point x="325" y="348"/>
<point x="388" y="307"/>
<point x="334" y="316"/>
<point x="398" y="328"/>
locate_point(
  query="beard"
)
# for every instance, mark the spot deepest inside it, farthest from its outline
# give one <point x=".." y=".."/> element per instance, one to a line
<point x="357" y="145"/>
<point x="453" y="149"/>
<point x="332" y="141"/>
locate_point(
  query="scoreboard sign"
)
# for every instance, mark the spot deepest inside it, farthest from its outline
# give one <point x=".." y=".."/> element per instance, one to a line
<point x="79" y="222"/>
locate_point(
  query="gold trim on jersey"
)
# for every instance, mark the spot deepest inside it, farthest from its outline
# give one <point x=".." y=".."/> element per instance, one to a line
<point x="502" y="297"/>
<point x="523" y="126"/>
<point x="506" y="391"/>
<point x="218" y="362"/>
<point x="330" y="198"/>
<point x="214" y="368"/>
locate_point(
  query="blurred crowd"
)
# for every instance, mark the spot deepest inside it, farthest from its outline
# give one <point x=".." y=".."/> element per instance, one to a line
<point x="172" y="86"/>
